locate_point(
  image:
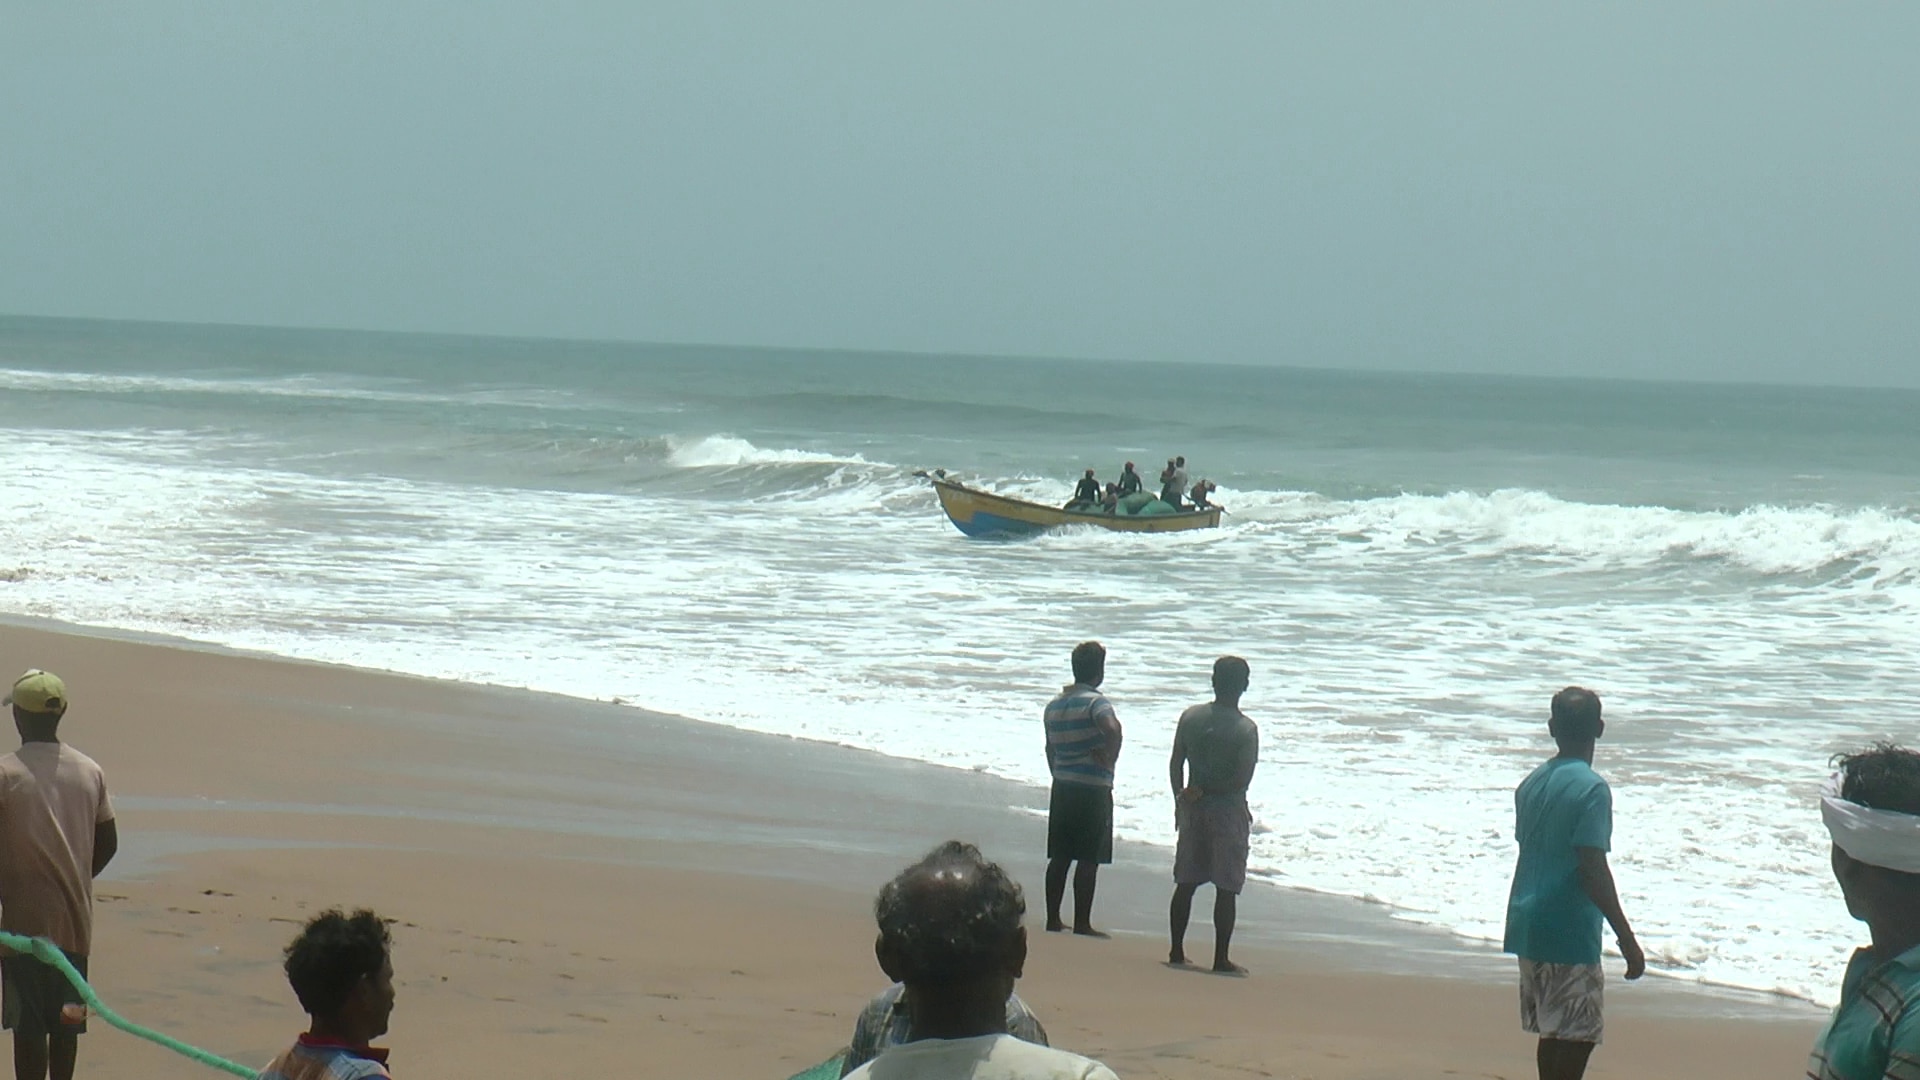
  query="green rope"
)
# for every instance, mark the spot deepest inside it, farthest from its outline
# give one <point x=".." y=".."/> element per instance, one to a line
<point x="48" y="953"/>
<point x="826" y="1070"/>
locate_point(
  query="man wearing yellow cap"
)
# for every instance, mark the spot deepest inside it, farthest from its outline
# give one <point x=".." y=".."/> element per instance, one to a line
<point x="56" y="834"/>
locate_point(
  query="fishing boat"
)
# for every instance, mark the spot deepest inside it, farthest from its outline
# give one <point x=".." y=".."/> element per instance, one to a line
<point x="982" y="513"/>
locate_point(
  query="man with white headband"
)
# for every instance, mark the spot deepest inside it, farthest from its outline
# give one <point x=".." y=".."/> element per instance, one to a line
<point x="1562" y="888"/>
<point x="1872" y="809"/>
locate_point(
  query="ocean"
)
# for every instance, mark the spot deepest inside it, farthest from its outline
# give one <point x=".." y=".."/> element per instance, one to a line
<point x="1411" y="564"/>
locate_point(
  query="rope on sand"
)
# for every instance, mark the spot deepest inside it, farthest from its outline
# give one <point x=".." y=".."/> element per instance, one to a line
<point x="48" y="953"/>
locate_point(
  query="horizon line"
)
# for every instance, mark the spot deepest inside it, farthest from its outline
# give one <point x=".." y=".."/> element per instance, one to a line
<point x="605" y="342"/>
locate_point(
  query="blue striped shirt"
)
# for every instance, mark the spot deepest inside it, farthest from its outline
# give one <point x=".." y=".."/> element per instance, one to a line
<point x="1075" y="736"/>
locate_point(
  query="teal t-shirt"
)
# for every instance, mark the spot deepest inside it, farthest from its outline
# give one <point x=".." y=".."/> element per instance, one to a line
<point x="1560" y="806"/>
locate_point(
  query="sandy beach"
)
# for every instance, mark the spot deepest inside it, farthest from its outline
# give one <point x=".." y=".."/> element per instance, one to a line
<point x="593" y="887"/>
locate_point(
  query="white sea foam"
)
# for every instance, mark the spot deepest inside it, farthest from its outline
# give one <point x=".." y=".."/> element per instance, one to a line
<point x="1403" y="647"/>
<point x="728" y="451"/>
<point x="1768" y="540"/>
<point x="315" y="386"/>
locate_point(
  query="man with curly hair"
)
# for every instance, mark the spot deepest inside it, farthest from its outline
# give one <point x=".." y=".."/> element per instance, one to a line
<point x="1871" y="806"/>
<point x="341" y="969"/>
<point x="950" y="930"/>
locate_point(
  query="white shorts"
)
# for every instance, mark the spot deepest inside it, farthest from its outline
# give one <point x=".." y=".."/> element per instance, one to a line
<point x="1560" y="1001"/>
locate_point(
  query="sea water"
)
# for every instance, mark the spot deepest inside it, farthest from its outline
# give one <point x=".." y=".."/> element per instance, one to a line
<point x="1411" y="564"/>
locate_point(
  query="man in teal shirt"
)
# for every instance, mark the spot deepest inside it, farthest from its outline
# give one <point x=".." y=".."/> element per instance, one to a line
<point x="1562" y="889"/>
<point x="1872" y="808"/>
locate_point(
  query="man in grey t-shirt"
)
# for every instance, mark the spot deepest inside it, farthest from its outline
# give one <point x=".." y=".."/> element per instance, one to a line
<point x="1215" y="749"/>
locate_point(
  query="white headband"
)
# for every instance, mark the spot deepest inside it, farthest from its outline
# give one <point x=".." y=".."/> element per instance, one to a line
<point x="1885" y="838"/>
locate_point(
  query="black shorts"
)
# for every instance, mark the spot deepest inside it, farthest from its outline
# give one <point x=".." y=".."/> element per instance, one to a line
<point x="1080" y="823"/>
<point x="35" y="999"/>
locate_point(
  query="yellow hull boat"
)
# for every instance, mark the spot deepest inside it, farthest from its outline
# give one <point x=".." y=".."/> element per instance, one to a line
<point x="980" y="513"/>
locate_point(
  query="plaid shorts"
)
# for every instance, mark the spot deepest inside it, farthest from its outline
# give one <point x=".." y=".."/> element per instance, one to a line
<point x="1212" y="848"/>
<point x="1560" y="1001"/>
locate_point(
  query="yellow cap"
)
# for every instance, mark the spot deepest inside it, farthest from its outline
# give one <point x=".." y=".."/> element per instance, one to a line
<point x="39" y="692"/>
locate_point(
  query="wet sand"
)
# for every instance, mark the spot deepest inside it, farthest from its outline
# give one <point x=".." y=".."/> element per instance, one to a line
<point x="590" y="886"/>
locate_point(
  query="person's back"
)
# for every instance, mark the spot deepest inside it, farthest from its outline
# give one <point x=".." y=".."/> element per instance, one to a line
<point x="311" y="1059"/>
<point x="982" y="1057"/>
<point x="950" y="930"/>
<point x="51" y="799"/>
<point x="56" y="833"/>
<point x="1077" y="739"/>
<point x="1563" y="889"/>
<point x="1561" y="806"/>
<point x="887" y="1021"/>
<point x="1220" y="742"/>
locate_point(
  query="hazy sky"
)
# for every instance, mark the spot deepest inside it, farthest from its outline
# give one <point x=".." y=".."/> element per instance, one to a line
<point x="1674" y="189"/>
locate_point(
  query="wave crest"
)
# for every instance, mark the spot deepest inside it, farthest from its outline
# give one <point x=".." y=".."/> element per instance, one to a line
<point x="731" y="452"/>
<point x="1771" y="540"/>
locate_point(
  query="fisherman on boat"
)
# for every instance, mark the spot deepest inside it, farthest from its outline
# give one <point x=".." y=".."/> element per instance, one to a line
<point x="1129" y="481"/>
<point x="1086" y="494"/>
<point x="1202" y="489"/>
<point x="1173" y="482"/>
<point x="978" y="512"/>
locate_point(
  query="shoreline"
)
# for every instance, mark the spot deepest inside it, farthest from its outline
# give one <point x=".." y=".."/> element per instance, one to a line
<point x="574" y="882"/>
<point x="1392" y="942"/>
<point x="1300" y="919"/>
<point x="1370" y="936"/>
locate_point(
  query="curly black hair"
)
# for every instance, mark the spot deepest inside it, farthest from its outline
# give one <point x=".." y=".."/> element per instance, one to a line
<point x="332" y="954"/>
<point x="1882" y="777"/>
<point x="950" y="917"/>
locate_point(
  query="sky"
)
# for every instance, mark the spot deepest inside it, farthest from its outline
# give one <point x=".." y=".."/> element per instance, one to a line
<point x="1645" y="190"/>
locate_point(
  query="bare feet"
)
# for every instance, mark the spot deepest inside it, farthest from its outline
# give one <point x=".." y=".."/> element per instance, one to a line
<point x="1088" y="931"/>
<point x="1228" y="968"/>
<point x="1177" y="958"/>
<point x="1054" y="926"/>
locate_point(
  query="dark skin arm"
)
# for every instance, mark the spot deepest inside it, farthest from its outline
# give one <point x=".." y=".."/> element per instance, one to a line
<point x="1177" y="764"/>
<point x="106" y="844"/>
<point x="1109" y="753"/>
<point x="1596" y="877"/>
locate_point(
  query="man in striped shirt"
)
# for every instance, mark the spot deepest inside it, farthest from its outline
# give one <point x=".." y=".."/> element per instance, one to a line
<point x="1872" y="808"/>
<point x="1083" y="743"/>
